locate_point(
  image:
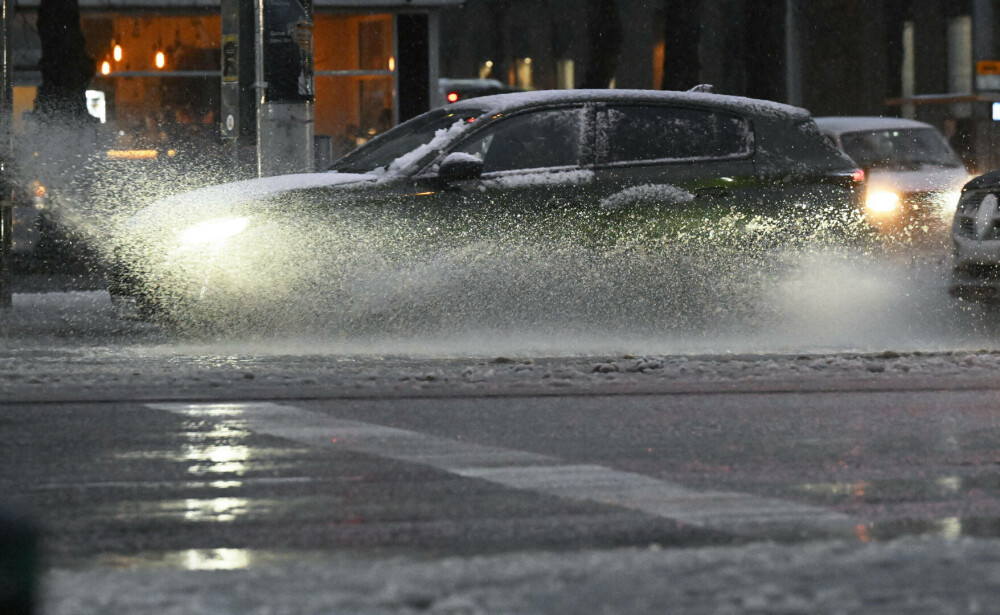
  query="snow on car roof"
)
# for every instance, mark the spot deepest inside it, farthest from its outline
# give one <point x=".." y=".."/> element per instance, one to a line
<point x="845" y="124"/>
<point x="500" y="103"/>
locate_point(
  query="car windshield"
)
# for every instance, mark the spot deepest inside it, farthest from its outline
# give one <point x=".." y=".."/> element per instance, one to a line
<point x="900" y="149"/>
<point x="403" y="139"/>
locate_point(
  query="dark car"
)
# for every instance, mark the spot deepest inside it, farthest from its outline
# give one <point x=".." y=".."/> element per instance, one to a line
<point x="976" y="235"/>
<point x="609" y="170"/>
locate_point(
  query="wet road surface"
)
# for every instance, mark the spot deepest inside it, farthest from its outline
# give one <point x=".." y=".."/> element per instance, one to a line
<point x="492" y="475"/>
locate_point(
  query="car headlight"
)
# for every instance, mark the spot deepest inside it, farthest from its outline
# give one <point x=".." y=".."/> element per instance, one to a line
<point x="882" y="202"/>
<point x="212" y="232"/>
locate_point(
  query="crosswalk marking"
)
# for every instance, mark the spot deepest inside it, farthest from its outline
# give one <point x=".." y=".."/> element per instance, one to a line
<point x="732" y="512"/>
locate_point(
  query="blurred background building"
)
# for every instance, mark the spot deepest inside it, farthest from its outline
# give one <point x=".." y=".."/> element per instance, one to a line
<point x="158" y="73"/>
<point x="378" y="61"/>
<point x="913" y="58"/>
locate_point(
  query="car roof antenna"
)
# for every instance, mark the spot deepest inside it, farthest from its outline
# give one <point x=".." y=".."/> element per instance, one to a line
<point x="704" y="88"/>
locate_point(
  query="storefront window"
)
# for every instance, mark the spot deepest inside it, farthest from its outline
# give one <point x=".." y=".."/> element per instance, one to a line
<point x="354" y="78"/>
<point x="162" y="89"/>
<point x="159" y="78"/>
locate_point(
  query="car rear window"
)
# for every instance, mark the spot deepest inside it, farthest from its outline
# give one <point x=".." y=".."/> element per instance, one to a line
<point x="644" y="132"/>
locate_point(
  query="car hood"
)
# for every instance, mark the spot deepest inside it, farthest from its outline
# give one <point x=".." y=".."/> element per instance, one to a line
<point x="926" y="179"/>
<point x="222" y="199"/>
<point x="990" y="179"/>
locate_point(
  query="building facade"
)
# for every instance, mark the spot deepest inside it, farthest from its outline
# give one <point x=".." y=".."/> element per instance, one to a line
<point x="158" y="78"/>
<point x="914" y="58"/>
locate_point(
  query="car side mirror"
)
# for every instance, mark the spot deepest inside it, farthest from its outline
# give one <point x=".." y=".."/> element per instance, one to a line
<point x="458" y="166"/>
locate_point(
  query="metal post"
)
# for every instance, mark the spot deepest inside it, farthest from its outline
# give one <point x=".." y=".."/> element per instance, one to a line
<point x="260" y="86"/>
<point x="285" y="83"/>
<point x="6" y="155"/>
<point x="793" y="59"/>
<point x="983" y="41"/>
<point x="19" y="539"/>
<point x="238" y="101"/>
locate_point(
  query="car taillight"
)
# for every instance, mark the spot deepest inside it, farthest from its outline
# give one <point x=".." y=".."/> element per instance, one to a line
<point x="453" y="96"/>
<point x="858" y="175"/>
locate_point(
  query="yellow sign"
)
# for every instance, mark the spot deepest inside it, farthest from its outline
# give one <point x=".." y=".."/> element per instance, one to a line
<point x="230" y="58"/>
<point x="988" y="67"/>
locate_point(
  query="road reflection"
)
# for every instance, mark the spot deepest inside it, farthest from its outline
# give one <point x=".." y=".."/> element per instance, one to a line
<point x="194" y="559"/>
<point x="215" y="446"/>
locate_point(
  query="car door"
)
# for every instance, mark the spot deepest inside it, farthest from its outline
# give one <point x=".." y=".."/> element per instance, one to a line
<point x="668" y="171"/>
<point x="535" y="164"/>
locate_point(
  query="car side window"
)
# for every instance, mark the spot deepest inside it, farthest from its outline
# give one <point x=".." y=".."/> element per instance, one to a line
<point x="647" y="132"/>
<point x="537" y="139"/>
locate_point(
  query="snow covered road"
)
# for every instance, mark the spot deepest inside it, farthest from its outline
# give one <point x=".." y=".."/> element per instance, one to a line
<point x="878" y="420"/>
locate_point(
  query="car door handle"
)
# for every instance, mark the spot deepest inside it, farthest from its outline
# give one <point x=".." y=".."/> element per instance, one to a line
<point x="711" y="192"/>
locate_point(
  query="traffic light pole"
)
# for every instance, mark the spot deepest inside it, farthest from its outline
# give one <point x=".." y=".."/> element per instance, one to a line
<point x="285" y="86"/>
<point x="6" y="155"/>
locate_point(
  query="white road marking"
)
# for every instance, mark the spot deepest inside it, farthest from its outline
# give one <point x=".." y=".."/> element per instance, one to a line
<point x="732" y="512"/>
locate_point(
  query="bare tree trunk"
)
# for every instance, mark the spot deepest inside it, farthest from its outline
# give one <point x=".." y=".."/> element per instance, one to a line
<point x="681" y="36"/>
<point x="605" y="32"/>
<point x="66" y="68"/>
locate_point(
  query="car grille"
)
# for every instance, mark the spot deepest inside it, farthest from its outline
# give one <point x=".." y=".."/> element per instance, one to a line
<point x="966" y="213"/>
<point x="980" y="271"/>
<point x="923" y="201"/>
<point x="920" y="207"/>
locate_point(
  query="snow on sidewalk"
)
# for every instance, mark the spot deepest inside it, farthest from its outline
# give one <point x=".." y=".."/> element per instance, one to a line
<point x="908" y="576"/>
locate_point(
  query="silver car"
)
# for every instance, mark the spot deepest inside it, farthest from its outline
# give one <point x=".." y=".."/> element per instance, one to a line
<point x="976" y="235"/>
<point x="913" y="175"/>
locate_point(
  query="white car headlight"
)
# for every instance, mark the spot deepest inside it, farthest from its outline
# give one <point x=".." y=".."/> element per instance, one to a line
<point x="213" y="232"/>
<point x="882" y="202"/>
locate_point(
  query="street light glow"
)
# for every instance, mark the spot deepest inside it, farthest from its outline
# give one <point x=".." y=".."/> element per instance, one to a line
<point x="106" y="68"/>
<point x="161" y="60"/>
<point x="117" y="53"/>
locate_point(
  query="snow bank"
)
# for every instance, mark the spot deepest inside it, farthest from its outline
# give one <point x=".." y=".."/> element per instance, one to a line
<point x="908" y="576"/>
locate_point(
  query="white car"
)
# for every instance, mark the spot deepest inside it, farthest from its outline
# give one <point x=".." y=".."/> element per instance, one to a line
<point x="914" y="177"/>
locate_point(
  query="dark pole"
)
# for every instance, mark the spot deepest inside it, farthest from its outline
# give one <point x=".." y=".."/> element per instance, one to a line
<point x="6" y="153"/>
<point x="793" y="55"/>
<point x="681" y="39"/>
<point x="605" y="34"/>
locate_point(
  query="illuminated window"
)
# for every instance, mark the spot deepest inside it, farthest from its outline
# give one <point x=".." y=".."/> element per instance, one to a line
<point x="523" y="73"/>
<point x="159" y="75"/>
<point x="486" y="69"/>
<point x="355" y="82"/>
<point x="565" y="75"/>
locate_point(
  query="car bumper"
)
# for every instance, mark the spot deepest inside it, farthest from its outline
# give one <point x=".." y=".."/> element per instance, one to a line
<point x="975" y="272"/>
